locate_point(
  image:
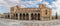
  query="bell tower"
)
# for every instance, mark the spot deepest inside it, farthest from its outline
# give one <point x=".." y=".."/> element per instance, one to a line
<point x="42" y="5"/>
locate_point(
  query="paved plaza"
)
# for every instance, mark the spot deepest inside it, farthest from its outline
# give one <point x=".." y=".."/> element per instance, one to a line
<point x="8" y="22"/>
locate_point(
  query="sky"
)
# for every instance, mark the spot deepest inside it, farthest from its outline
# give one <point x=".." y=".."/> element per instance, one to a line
<point x="5" y="5"/>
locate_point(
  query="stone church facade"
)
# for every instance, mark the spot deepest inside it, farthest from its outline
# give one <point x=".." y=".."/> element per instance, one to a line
<point x="41" y="13"/>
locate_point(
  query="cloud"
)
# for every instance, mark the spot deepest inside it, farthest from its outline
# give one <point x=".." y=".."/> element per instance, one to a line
<point x="53" y="12"/>
<point x="6" y="4"/>
<point x="29" y="3"/>
<point x="56" y="4"/>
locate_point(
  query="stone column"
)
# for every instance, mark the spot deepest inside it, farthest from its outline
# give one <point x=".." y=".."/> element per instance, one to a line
<point x="18" y="16"/>
<point x="25" y="16"/>
<point x="14" y="16"/>
<point x="29" y="16"/>
<point x="34" y="16"/>
<point x="10" y="16"/>
<point x="22" y="16"/>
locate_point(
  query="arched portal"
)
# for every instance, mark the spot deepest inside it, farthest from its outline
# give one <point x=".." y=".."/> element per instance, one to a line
<point x="38" y="16"/>
<point x="27" y="16"/>
<point x="35" y="16"/>
<point x="23" y="16"/>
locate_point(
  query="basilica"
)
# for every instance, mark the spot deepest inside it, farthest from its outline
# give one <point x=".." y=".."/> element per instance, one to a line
<point x="41" y="13"/>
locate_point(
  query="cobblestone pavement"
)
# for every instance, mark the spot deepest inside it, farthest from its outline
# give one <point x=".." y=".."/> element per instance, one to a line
<point x="8" y="22"/>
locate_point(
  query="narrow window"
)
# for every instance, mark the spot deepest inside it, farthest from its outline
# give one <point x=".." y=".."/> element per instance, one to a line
<point x="46" y="12"/>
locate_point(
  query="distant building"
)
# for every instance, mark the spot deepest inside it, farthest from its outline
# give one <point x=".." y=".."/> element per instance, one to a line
<point x="41" y="13"/>
<point x="1" y="16"/>
<point x="6" y="15"/>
